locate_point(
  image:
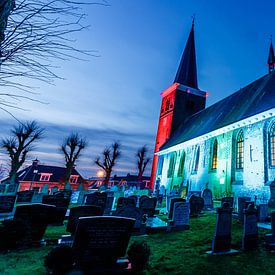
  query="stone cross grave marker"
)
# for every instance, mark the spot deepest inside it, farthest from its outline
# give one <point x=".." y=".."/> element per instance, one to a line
<point x="100" y="241"/>
<point x="208" y="199"/>
<point x="81" y="211"/>
<point x="250" y="231"/>
<point x="148" y="206"/>
<point x="172" y="202"/>
<point x="196" y="205"/>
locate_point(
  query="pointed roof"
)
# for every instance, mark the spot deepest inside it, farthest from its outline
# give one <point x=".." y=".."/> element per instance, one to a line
<point x="187" y="71"/>
<point x="271" y="58"/>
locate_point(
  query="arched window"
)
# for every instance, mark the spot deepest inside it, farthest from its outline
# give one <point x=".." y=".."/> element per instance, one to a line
<point x="214" y="160"/>
<point x="181" y="166"/>
<point x="171" y="167"/>
<point x="197" y="160"/>
<point x="240" y="150"/>
<point x="272" y="145"/>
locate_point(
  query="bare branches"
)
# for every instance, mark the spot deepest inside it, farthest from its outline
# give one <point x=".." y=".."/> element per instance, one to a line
<point x="38" y="32"/>
<point x="19" y="144"/>
<point x="142" y="161"/>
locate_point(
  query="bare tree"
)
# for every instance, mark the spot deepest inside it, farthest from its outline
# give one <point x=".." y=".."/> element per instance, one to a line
<point x="142" y="161"/>
<point x="33" y="33"/>
<point x="19" y="144"/>
<point x="109" y="158"/>
<point x="71" y="148"/>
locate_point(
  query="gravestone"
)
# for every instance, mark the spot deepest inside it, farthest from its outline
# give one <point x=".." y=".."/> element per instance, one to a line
<point x="81" y="211"/>
<point x="12" y="188"/>
<point x="196" y="193"/>
<point x="196" y="205"/>
<point x="250" y="231"/>
<point x="241" y="207"/>
<point x="134" y="198"/>
<point x="97" y="199"/>
<point x="2" y="188"/>
<point x="122" y="202"/>
<point x="32" y="221"/>
<point x="168" y="201"/>
<point x="54" y="190"/>
<point x="270" y="238"/>
<point x="100" y="241"/>
<point x="24" y="196"/>
<point x="7" y="203"/>
<point x="172" y="202"/>
<point x="74" y="197"/>
<point x="109" y="205"/>
<point x="148" y="206"/>
<point x="37" y="197"/>
<point x="271" y="202"/>
<point x="134" y="213"/>
<point x="229" y="200"/>
<point x="45" y="189"/>
<point x="180" y="218"/>
<point x="82" y="197"/>
<point x="208" y="199"/>
<point x="221" y="243"/>
<point x="262" y="212"/>
<point x="64" y="193"/>
<point x="61" y="204"/>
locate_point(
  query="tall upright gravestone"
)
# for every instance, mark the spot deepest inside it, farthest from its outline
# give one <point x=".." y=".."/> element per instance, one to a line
<point x="208" y="199"/>
<point x="241" y="207"/>
<point x="180" y="217"/>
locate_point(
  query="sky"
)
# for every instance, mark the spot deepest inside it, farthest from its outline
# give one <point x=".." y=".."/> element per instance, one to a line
<point x="116" y="95"/>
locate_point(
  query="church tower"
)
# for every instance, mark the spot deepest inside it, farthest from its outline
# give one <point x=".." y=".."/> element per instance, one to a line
<point x="180" y="101"/>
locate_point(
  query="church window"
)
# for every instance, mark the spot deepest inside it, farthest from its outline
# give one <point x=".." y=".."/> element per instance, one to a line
<point x="171" y="167"/>
<point x="167" y="105"/>
<point x="240" y="151"/>
<point x="214" y="155"/>
<point x="272" y="144"/>
<point x="181" y="166"/>
<point x="197" y="160"/>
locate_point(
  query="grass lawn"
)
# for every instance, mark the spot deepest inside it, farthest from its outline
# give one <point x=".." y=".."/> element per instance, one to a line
<point x="172" y="253"/>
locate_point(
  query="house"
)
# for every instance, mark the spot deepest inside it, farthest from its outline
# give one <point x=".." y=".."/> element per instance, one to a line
<point x="37" y="176"/>
<point x="228" y="147"/>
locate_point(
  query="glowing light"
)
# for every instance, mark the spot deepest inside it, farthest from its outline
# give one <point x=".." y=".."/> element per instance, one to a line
<point x="100" y="174"/>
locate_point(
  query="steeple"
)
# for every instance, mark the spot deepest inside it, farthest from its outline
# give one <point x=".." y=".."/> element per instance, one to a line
<point x="271" y="58"/>
<point x="187" y="71"/>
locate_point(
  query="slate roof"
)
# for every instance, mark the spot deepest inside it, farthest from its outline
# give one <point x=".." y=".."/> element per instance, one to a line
<point x="257" y="97"/>
<point x="56" y="171"/>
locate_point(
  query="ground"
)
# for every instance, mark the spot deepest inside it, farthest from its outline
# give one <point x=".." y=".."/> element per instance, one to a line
<point x="172" y="253"/>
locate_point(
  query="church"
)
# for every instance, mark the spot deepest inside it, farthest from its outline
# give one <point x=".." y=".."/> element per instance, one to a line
<point x="228" y="147"/>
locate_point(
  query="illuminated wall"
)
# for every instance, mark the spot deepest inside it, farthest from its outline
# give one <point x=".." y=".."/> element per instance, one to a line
<point x="225" y="178"/>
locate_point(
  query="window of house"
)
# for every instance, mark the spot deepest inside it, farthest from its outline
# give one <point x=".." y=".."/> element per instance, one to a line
<point x="272" y="144"/>
<point x="73" y="179"/>
<point x="181" y="166"/>
<point x="197" y="160"/>
<point x="214" y="155"/>
<point x="45" y="177"/>
<point x="240" y="151"/>
<point x="171" y="167"/>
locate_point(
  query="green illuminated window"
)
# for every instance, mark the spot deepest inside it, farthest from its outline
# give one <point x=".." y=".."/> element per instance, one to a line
<point x="197" y="160"/>
<point x="181" y="166"/>
<point x="272" y="144"/>
<point x="214" y="163"/>
<point x="240" y="151"/>
<point x="171" y="167"/>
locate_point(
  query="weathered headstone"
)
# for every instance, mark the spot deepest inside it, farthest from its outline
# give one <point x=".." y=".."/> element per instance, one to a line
<point x="148" y="206"/>
<point x="241" y="207"/>
<point x="135" y="198"/>
<point x="172" y="202"/>
<point x="221" y="243"/>
<point x="109" y="205"/>
<point x="61" y="204"/>
<point x="97" y="199"/>
<point x="262" y="212"/>
<point x="196" y="205"/>
<point x="100" y="241"/>
<point x="168" y="201"/>
<point x="271" y="202"/>
<point x="45" y="189"/>
<point x="180" y="218"/>
<point x="7" y="203"/>
<point x="24" y="196"/>
<point x="250" y="232"/>
<point x="270" y="238"/>
<point x="37" y="197"/>
<point x="208" y="199"/>
<point x="229" y="200"/>
<point x="81" y="211"/>
<point x="122" y="202"/>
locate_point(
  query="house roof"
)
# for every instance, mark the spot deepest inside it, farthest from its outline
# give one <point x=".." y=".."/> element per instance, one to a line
<point x="257" y="97"/>
<point x="57" y="172"/>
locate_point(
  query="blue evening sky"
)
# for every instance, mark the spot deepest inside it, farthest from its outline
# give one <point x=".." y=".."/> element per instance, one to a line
<point x="116" y="96"/>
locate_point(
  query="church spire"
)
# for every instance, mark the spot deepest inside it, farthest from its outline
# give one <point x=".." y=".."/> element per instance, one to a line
<point x="271" y="58"/>
<point x="187" y="71"/>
